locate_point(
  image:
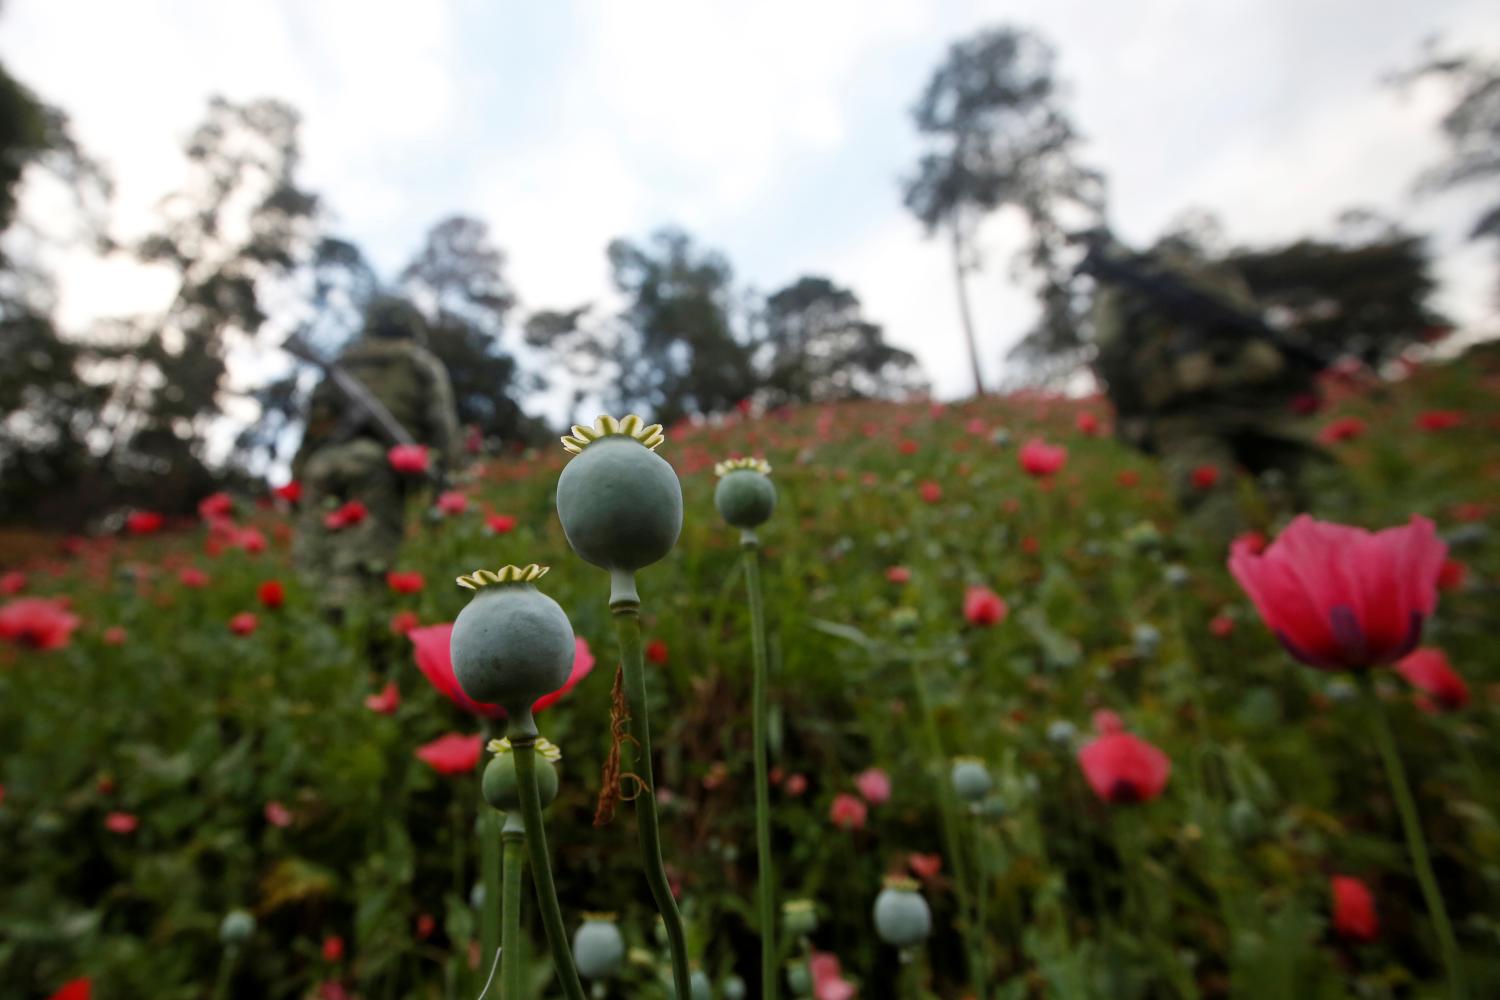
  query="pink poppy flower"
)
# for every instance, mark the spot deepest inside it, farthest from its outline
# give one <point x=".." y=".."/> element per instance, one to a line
<point x="1122" y="768"/>
<point x="1342" y="597"/>
<point x="431" y="646"/>
<point x="875" y="785"/>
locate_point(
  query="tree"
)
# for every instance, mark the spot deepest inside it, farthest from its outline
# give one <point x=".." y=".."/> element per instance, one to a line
<point x="1368" y="299"/>
<point x="998" y="137"/>
<point x="457" y="281"/>
<point x="675" y="350"/>
<point x="1472" y="127"/>
<point x="816" y="346"/>
<point x="240" y="227"/>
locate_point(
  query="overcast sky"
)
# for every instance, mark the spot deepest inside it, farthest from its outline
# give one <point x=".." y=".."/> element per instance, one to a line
<point x="774" y="131"/>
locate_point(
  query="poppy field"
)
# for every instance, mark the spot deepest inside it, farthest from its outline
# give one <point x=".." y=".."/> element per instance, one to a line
<point x="1027" y="733"/>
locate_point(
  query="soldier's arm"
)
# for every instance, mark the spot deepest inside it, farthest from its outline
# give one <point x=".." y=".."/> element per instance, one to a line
<point x="322" y="418"/>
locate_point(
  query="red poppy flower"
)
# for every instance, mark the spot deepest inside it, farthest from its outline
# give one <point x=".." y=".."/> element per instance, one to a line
<point x="898" y="574"/>
<point x="333" y="948"/>
<point x="402" y="622"/>
<point x="1205" y="477"/>
<point x="114" y="636"/>
<point x="277" y="814"/>
<point x="12" y="583"/>
<point x="847" y="812"/>
<point x="1107" y="721"/>
<point x="38" y="623"/>
<point x="500" y="524"/>
<point x="1342" y="429"/>
<point x="1123" y="768"/>
<point x="243" y="623"/>
<point x="1087" y="423"/>
<point x="215" y="506"/>
<point x="143" y="522"/>
<point x="121" y="823"/>
<point x="350" y="514"/>
<point x="74" y="989"/>
<point x="908" y="447"/>
<point x="924" y="866"/>
<point x="408" y="459"/>
<point x="1222" y="626"/>
<point x="271" y="594"/>
<point x="250" y="540"/>
<point x="1439" y="420"/>
<point x="453" y="753"/>
<point x="386" y="701"/>
<point x="1305" y="404"/>
<point x="875" y="785"/>
<point x="828" y="978"/>
<point x="405" y="582"/>
<point x="1341" y="597"/>
<point x="291" y="492"/>
<point x="1452" y="575"/>
<point x="1128" y="478"/>
<point x="452" y="502"/>
<point x="984" y="607"/>
<point x="930" y="491"/>
<point x="1252" y="542"/>
<point x="193" y="578"/>
<point x="435" y="659"/>
<point x="795" y="785"/>
<point x="426" y="924"/>
<point x="1041" y="459"/>
<point x="1353" y="909"/>
<point x="657" y="653"/>
<point x="1429" y="671"/>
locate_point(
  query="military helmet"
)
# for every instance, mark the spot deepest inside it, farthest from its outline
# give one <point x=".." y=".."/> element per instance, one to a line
<point x="394" y="318"/>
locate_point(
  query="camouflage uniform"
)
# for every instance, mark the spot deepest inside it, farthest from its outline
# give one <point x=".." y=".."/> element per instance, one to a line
<point x="343" y="456"/>
<point x="1198" y="397"/>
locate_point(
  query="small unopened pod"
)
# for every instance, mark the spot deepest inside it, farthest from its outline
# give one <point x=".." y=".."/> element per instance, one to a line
<point x="598" y="948"/>
<point x="511" y="644"/>
<point x="499" y="782"/>
<point x="745" y="496"/>
<point x="902" y="918"/>
<point x="698" y="985"/>
<point x="620" y="503"/>
<point x="971" y="779"/>
<point x="799" y="917"/>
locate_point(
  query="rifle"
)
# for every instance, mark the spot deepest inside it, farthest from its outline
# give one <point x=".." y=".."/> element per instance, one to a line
<point x="364" y="404"/>
<point x="1180" y="300"/>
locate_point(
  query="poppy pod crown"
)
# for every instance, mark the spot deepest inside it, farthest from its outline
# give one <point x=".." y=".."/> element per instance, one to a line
<point x="620" y="503"/>
<point x="745" y="496"/>
<point x="511" y="644"/>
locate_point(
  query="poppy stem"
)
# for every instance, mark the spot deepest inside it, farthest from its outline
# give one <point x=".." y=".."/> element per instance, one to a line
<point x="951" y="839"/>
<point x="523" y="746"/>
<point x="1416" y="842"/>
<point x="511" y="973"/>
<point x="489" y="867"/>
<point x="627" y="615"/>
<point x="764" y="861"/>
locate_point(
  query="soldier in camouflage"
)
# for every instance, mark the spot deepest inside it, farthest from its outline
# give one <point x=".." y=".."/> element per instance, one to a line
<point x="1201" y="395"/>
<point x="340" y="552"/>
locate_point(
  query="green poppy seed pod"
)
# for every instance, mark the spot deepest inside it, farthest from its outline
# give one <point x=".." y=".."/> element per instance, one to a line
<point x="902" y="918"/>
<point x="1244" y="820"/>
<point x="620" y="503"/>
<point x="511" y="644"/>
<point x="598" y="948"/>
<point x="971" y="779"/>
<point x="799" y="979"/>
<point x="499" y="782"/>
<point x="799" y="916"/>
<point x="745" y="496"/>
<point x="733" y="988"/>
<point x="698" y="986"/>
<point x="236" y="928"/>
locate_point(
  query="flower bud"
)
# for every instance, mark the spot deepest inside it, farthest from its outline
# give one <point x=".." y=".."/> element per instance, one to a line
<point x="971" y="779"/>
<point x="799" y="979"/>
<point x="902" y="917"/>
<point x="799" y="917"/>
<point x="511" y="644"/>
<point x="598" y="948"/>
<point x="745" y="495"/>
<point x="499" y="782"/>
<point x="620" y="503"/>
<point x="236" y="928"/>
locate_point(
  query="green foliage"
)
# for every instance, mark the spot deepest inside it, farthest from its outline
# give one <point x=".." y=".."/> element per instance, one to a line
<point x="1219" y="888"/>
